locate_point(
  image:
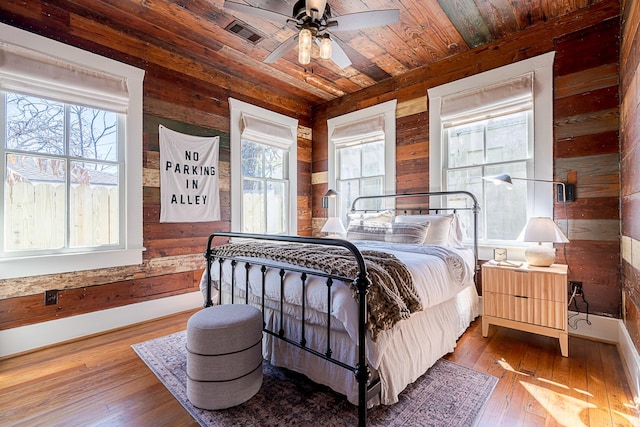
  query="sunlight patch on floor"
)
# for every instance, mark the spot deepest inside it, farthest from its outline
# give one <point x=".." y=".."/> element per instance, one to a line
<point x="564" y="409"/>
<point x="507" y="367"/>
<point x="633" y="421"/>
<point x="553" y="383"/>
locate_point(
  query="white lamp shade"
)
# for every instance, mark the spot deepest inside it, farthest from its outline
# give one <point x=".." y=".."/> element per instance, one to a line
<point x="333" y="226"/>
<point x="541" y="229"/>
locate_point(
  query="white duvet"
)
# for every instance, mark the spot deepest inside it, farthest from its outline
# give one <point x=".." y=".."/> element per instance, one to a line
<point x="443" y="278"/>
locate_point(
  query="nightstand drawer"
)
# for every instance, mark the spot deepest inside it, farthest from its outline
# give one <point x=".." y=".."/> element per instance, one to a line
<point x="524" y="283"/>
<point x="534" y="311"/>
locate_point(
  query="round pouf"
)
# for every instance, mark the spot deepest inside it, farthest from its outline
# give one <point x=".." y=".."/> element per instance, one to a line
<point x="224" y="356"/>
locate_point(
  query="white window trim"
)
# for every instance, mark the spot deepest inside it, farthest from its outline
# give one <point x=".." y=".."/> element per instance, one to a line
<point x="237" y="109"/>
<point x="388" y="110"/>
<point x="131" y="252"/>
<point x="542" y="66"/>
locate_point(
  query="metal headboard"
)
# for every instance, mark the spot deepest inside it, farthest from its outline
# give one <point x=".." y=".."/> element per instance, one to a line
<point x="475" y="208"/>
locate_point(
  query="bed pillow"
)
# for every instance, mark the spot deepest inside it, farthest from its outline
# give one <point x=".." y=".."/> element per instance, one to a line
<point x="369" y="217"/>
<point x="391" y="232"/>
<point x="414" y="232"/>
<point x="444" y="230"/>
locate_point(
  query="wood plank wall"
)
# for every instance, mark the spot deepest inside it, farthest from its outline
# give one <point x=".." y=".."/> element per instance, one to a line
<point x="586" y="146"/>
<point x="630" y="165"/>
<point x="183" y="96"/>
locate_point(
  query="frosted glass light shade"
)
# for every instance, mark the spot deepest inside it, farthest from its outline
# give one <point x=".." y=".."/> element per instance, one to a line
<point x="304" y="46"/>
<point x="325" y="48"/>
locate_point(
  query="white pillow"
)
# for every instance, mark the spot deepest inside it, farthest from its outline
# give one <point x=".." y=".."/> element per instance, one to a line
<point x="368" y="217"/>
<point x="444" y="230"/>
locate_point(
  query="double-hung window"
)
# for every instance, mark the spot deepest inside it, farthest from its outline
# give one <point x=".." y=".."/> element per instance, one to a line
<point x="71" y="157"/>
<point x="490" y="124"/>
<point x="263" y="168"/>
<point x="362" y="157"/>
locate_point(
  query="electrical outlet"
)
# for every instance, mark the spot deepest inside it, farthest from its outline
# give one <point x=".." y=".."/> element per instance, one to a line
<point x="575" y="287"/>
<point x="51" y="297"/>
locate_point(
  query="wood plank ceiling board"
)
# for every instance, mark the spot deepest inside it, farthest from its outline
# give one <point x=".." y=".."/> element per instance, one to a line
<point x="192" y="32"/>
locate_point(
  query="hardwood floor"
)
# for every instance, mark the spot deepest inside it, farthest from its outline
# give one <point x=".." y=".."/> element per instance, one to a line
<point x="101" y="381"/>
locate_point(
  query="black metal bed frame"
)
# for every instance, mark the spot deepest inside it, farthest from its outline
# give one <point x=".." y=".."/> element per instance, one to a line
<point x="366" y="388"/>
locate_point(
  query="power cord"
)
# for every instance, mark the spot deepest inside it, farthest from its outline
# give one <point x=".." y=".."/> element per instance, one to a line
<point x="572" y="299"/>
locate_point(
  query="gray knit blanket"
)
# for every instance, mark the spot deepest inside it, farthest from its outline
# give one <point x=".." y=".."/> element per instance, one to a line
<point x="392" y="295"/>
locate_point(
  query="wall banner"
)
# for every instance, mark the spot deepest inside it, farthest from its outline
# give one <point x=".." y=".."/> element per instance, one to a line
<point x="189" y="189"/>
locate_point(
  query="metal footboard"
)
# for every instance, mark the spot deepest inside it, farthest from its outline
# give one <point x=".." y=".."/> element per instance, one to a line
<point x="361" y="283"/>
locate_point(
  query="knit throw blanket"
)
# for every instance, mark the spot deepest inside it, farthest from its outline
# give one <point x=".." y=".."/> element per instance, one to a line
<point x="392" y="295"/>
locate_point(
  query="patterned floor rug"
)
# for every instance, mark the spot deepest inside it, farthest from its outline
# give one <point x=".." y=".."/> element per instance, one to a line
<point x="447" y="395"/>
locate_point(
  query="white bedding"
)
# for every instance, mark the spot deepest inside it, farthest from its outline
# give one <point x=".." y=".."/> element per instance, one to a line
<point x="399" y="355"/>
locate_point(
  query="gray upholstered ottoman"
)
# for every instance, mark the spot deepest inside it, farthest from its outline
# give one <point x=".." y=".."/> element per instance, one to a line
<point x="224" y="355"/>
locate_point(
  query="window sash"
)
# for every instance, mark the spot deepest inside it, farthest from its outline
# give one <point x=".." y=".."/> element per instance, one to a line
<point x="509" y="209"/>
<point x="268" y="203"/>
<point x="105" y="235"/>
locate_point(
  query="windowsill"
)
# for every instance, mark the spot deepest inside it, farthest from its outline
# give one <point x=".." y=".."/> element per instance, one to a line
<point x="514" y="253"/>
<point x="67" y="263"/>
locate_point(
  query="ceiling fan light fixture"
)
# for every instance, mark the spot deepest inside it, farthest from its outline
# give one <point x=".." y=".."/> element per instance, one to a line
<point x="305" y="39"/>
<point x="325" y="47"/>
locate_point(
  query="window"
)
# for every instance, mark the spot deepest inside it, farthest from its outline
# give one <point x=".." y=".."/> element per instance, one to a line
<point x="263" y="165"/>
<point x="493" y="123"/>
<point x="362" y="156"/>
<point x="71" y="149"/>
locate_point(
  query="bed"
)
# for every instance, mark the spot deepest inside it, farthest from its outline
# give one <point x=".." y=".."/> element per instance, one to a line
<point x="366" y="315"/>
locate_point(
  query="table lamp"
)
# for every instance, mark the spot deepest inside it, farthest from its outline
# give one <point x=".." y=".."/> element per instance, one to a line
<point x="541" y="230"/>
<point x="334" y="228"/>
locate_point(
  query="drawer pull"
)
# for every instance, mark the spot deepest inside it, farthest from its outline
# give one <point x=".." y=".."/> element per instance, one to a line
<point x="521" y="296"/>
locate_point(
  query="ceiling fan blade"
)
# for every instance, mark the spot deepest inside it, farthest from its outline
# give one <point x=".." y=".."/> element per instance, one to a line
<point x="282" y="49"/>
<point x="338" y="55"/>
<point x="255" y="11"/>
<point x="361" y="20"/>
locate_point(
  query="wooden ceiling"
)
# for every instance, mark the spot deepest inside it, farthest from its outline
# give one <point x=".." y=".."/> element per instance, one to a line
<point x="428" y="31"/>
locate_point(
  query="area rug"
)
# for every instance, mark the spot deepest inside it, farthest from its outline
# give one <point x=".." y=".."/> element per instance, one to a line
<point x="447" y="395"/>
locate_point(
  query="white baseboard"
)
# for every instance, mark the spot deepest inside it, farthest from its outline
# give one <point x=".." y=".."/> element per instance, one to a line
<point x="601" y="328"/>
<point x="29" y="337"/>
<point x="630" y="361"/>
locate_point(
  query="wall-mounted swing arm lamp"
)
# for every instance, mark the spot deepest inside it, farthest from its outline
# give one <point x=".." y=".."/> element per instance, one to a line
<point x="566" y="192"/>
<point x="325" y="198"/>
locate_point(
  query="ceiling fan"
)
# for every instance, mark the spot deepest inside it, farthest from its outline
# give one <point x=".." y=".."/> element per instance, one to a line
<point x="314" y="21"/>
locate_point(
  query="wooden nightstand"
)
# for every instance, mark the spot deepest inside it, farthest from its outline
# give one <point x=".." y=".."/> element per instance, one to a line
<point x="531" y="299"/>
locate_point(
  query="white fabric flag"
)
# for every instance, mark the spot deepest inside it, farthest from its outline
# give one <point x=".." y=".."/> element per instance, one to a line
<point x="189" y="190"/>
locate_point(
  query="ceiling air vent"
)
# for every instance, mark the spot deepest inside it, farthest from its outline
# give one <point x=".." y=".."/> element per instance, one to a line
<point x="244" y="31"/>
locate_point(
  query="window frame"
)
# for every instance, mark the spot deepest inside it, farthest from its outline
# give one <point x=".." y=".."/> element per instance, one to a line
<point x="540" y="193"/>
<point x="237" y="109"/>
<point x="130" y="249"/>
<point x="388" y="111"/>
